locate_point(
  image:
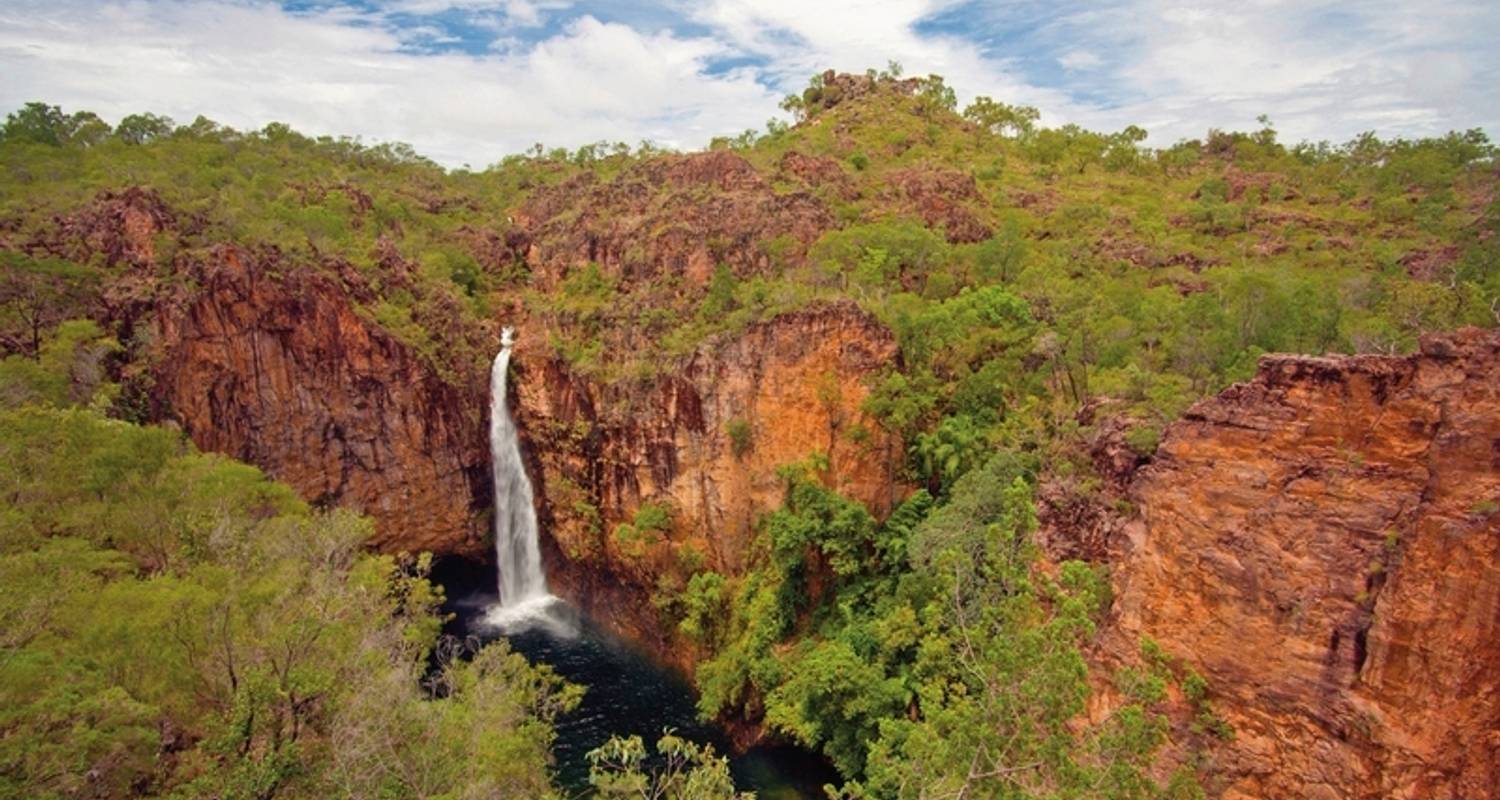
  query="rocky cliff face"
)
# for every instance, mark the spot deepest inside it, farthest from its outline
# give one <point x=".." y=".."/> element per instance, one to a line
<point x="280" y="371"/>
<point x="275" y="366"/>
<point x="1323" y="544"/>
<point x="702" y="440"/>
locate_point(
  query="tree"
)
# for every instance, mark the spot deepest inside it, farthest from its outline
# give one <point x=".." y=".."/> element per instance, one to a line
<point x="144" y="128"/>
<point x="1002" y="118"/>
<point x="87" y="129"/>
<point x="1000" y="673"/>
<point x="36" y="295"/>
<point x="39" y="123"/>
<point x="835" y="700"/>
<point x="69" y="370"/>
<point x="703" y="606"/>
<point x="937" y="94"/>
<point x="620" y="768"/>
<point x="1123" y="150"/>
<point x="945" y="454"/>
<point x="194" y="630"/>
<point x="36" y="123"/>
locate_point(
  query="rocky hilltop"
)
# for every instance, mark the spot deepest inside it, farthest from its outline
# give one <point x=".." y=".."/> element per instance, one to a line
<point x="1323" y="544"/>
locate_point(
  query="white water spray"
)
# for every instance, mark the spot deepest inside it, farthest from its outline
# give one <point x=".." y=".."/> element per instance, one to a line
<point x="523" y="586"/>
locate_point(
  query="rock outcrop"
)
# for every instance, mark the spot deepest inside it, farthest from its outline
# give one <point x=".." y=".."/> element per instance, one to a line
<point x="674" y="215"/>
<point x="279" y="370"/>
<point x="115" y="228"/>
<point x="841" y="87"/>
<point x="942" y="199"/>
<point x="1323" y="544"/>
<point x="704" y="440"/>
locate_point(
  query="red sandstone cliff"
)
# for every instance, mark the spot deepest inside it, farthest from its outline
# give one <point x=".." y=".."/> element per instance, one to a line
<point x="1323" y="544"/>
<point x="796" y="383"/>
<point x="280" y="371"/>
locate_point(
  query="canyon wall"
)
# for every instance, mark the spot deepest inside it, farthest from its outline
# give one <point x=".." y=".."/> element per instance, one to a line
<point x="704" y="441"/>
<point x="277" y="369"/>
<point x="1323" y="544"/>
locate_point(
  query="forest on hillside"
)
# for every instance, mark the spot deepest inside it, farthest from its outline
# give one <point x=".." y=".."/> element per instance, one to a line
<point x="176" y="624"/>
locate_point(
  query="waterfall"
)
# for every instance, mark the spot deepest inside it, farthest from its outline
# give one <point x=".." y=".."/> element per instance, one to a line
<point x="523" y="587"/>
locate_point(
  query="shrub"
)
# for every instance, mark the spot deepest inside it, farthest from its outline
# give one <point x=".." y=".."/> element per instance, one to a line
<point x="739" y="432"/>
<point x="1144" y="439"/>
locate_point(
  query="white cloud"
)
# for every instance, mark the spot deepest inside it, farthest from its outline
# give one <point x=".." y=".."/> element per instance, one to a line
<point x="246" y="65"/>
<point x="800" y="38"/>
<point x="526" y="13"/>
<point x="1079" y="60"/>
<point x="1321" y="69"/>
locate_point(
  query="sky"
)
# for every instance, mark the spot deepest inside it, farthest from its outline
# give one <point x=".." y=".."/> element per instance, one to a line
<point x="467" y="82"/>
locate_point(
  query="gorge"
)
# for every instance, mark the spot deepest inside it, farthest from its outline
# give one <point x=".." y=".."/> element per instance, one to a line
<point x="1345" y="434"/>
<point x="628" y="693"/>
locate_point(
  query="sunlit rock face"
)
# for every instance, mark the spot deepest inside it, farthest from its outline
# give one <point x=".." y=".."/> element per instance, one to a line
<point x="1323" y="544"/>
<point x="791" y="385"/>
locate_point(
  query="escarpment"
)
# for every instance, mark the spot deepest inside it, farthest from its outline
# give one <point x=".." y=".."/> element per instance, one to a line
<point x="1323" y="544"/>
<point x="702" y="442"/>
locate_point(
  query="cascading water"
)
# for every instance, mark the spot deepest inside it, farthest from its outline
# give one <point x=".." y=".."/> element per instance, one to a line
<point x="523" y="586"/>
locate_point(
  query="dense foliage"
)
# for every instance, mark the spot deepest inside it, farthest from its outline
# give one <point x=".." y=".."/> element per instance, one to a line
<point x="939" y="661"/>
<point x="175" y="624"/>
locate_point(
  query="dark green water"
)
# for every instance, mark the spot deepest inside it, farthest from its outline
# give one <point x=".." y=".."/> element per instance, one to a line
<point x="629" y="694"/>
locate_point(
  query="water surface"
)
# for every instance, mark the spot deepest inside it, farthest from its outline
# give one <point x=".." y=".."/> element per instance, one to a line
<point x="629" y="694"/>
